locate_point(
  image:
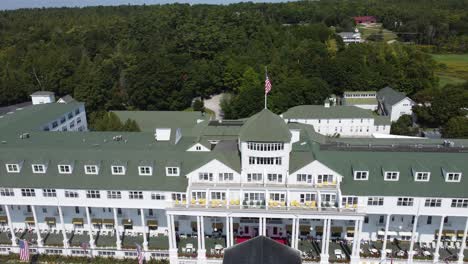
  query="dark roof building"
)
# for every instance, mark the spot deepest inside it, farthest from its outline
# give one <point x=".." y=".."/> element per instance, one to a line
<point x="261" y="250"/>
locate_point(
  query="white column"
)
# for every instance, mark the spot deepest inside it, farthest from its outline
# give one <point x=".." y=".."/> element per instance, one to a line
<point x="267" y="198"/>
<point x="413" y="235"/>
<point x="90" y="230"/>
<point x="328" y="236"/>
<point x="264" y="226"/>
<point x="10" y="224"/>
<point x="228" y="198"/>
<point x="436" y="253"/>
<point x="199" y="245"/>
<point x="296" y="239"/>
<point x="383" y="253"/>
<point x="117" y="231"/>
<point x="62" y="225"/>
<point x="36" y="224"/>
<point x="463" y="244"/>
<point x="173" y="257"/>
<point x="355" y="254"/>
<point x="143" y="224"/>
<point x="323" y="254"/>
<point x="293" y="233"/>
<point x="319" y="200"/>
<point x="228" y="229"/>
<point x="202" y="251"/>
<point x="231" y="231"/>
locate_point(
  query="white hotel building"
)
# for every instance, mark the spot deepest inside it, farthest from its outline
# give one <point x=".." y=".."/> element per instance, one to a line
<point x="197" y="186"/>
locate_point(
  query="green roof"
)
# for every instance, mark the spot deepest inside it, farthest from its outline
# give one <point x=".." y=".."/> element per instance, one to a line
<point x="321" y="112"/>
<point x="360" y="101"/>
<point x="149" y="120"/>
<point x="343" y="162"/>
<point x="265" y="126"/>
<point x="360" y="92"/>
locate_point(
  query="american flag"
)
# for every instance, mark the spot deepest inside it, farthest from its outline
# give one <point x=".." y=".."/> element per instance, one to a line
<point x="267" y="85"/>
<point x="141" y="257"/>
<point x="24" y="250"/>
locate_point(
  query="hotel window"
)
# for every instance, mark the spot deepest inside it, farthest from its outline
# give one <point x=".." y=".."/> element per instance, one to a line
<point x="62" y="120"/>
<point x="158" y="196"/>
<point x="349" y="200"/>
<point x="145" y="170"/>
<point x="49" y="192"/>
<point x="307" y="197"/>
<point x="198" y="148"/>
<point x="328" y="198"/>
<point x="324" y="178"/>
<point x="54" y="124"/>
<point x="453" y="177"/>
<point x="307" y="178"/>
<point x="118" y="170"/>
<point x="392" y="175"/>
<point x="172" y="171"/>
<point x="279" y="197"/>
<point x="254" y="196"/>
<point x="71" y="194"/>
<point x="135" y="195"/>
<point x="361" y="175"/>
<point x="91" y="169"/>
<point x="375" y="201"/>
<point x="433" y="203"/>
<point x="226" y="176"/>
<point x="93" y="194"/>
<point x="64" y="169"/>
<point x="114" y="195"/>
<point x="205" y="176"/>
<point x="254" y="177"/>
<point x="28" y="193"/>
<point x="422" y="176"/>
<point x="265" y="146"/>
<point x="273" y="177"/>
<point x="179" y="196"/>
<point x="38" y="168"/>
<point x="13" y="168"/>
<point x="198" y="195"/>
<point x="7" y="192"/>
<point x="460" y="203"/>
<point x="77" y="111"/>
<point x="405" y="201"/>
<point x="70" y="115"/>
<point x="265" y="160"/>
<point x="429" y="220"/>
<point x="218" y="196"/>
<point x="78" y="120"/>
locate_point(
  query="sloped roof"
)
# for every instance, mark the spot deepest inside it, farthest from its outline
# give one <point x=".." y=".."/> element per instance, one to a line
<point x="149" y="120"/>
<point x="390" y="97"/>
<point x="321" y="112"/>
<point x="42" y="93"/>
<point x="66" y="99"/>
<point x="261" y="250"/>
<point x="265" y="126"/>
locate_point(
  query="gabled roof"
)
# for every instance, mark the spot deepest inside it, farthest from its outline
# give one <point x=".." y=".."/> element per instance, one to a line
<point x="66" y="99"/>
<point x="261" y="250"/>
<point x="390" y="97"/>
<point x="321" y="112"/>
<point x="265" y="126"/>
<point x="42" y="93"/>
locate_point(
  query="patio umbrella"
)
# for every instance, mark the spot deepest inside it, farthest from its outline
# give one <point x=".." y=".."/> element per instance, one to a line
<point x="261" y="250"/>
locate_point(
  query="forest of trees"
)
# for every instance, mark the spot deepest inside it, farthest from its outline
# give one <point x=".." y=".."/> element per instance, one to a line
<point x="161" y="57"/>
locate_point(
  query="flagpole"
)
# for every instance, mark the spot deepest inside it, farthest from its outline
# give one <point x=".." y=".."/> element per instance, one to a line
<point x="266" y="76"/>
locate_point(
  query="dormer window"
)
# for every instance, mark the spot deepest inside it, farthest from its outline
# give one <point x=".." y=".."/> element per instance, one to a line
<point x="65" y="169"/>
<point x="118" y="170"/>
<point x="38" y="168"/>
<point x="392" y="175"/>
<point x="12" y="168"/>
<point x="198" y="148"/>
<point x="361" y="175"/>
<point x="145" y="170"/>
<point x="91" y="169"/>
<point x="172" y="171"/>
<point x="453" y="176"/>
<point x="422" y="176"/>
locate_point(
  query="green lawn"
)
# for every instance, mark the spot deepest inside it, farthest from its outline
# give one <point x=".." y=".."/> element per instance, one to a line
<point x="367" y="30"/>
<point x="453" y="68"/>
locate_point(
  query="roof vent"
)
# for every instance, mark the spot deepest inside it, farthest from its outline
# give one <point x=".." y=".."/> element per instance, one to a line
<point x="117" y="138"/>
<point x="24" y="136"/>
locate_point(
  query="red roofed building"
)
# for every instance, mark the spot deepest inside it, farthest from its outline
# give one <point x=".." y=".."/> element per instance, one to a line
<point x="365" y="19"/>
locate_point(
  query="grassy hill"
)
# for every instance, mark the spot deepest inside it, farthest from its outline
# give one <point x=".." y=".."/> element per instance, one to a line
<point x="453" y="68"/>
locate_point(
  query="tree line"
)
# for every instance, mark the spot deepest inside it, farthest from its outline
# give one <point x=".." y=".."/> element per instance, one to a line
<point x="161" y="57"/>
